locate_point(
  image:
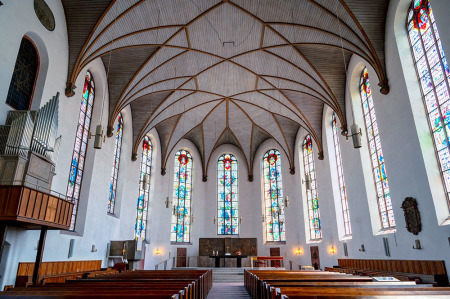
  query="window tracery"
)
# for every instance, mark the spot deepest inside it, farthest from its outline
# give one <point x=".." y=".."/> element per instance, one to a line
<point x="434" y="76"/>
<point x="273" y="197"/>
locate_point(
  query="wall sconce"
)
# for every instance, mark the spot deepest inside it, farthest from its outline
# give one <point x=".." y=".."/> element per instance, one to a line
<point x="262" y="218"/>
<point x="418" y="247"/>
<point x="99" y="137"/>
<point x="144" y="182"/>
<point x="298" y="251"/>
<point x="167" y="202"/>
<point x="93" y="249"/>
<point x="307" y="182"/>
<point x="215" y="219"/>
<point x="356" y="135"/>
<point x="362" y="248"/>
<point x="332" y="250"/>
<point x="157" y="251"/>
<point x="286" y="201"/>
<point x="240" y="219"/>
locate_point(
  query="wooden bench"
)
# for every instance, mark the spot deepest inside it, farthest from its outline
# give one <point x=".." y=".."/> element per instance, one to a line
<point x="181" y="284"/>
<point x="421" y="270"/>
<point x="70" y="269"/>
<point x="268" y="284"/>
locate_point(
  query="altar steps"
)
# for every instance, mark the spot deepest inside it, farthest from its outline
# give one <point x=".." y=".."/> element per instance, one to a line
<point x="226" y="290"/>
<point x="228" y="275"/>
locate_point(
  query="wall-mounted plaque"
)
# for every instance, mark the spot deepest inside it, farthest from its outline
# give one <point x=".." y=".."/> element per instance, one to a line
<point x="412" y="215"/>
<point x="44" y="14"/>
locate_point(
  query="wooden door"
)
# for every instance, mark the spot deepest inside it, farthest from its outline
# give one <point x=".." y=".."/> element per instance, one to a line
<point x="275" y="251"/>
<point x="181" y="257"/>
<point x="315" y="258"/>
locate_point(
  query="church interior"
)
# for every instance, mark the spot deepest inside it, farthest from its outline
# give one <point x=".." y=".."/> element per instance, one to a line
<point x="277" y="149"/>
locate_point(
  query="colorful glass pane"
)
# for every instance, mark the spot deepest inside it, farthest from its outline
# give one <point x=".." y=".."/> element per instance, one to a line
<point x="342" y="189"/>
<point x="144" y="188"/>
<point x="79" y="150"/>
<point x="227" y="195"/>
<point x="315" y="226"/>
<point x="434" y="74"/>
<point x="378" y="166"/>
<point x="273" y="197"/>
<point x="182" y="188"/>
<point x="115" y="168"/>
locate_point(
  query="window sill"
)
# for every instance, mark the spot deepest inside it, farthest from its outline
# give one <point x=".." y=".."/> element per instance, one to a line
<point x="315" y="241"/>
<point x="386" y="231"/>
<point x="275" y="243"/>
<point x="112" y="215"/>
<point x="180" y="243"/>
<point x="346" y="237"/>
<point x="446" y="221"/>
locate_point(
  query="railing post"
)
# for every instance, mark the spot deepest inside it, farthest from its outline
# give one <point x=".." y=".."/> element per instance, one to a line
<point x="290" y="265"/>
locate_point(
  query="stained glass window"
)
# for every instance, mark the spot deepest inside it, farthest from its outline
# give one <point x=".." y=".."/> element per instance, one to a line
<point x="340" y="173"/>
<point x="144" y="187"/>
<point x="434" y="75"/>
<point x="227" y="195"/>
<point x="376" y="154"/>
<point x="79" y="151"/>
<point x="273" y="197"/>
<point x="315" y="227"/>
<point x="182" y="191"/>
<point x="115" y="168"/>
<point x="24" y="77"/>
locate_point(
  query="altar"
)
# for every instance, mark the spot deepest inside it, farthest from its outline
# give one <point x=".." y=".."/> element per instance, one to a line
<point x="226" y="252"/>
<point x="237" y="257"/>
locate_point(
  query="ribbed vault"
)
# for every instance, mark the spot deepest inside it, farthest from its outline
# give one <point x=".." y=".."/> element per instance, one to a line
<point x="226" y="72"/>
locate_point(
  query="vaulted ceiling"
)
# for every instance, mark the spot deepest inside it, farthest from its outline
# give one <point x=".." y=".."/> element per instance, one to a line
<point x="225" y="72"/>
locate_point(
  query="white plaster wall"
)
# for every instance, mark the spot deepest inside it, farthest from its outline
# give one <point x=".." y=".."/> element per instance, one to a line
<point x="94" y="226"/>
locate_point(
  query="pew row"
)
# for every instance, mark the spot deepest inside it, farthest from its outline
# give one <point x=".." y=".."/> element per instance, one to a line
<point x="264" y="284"/>
<point x="181" y="284"/>
<point x="406" y="270"/>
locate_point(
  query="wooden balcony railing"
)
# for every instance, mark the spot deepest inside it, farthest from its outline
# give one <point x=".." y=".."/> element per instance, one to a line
<point x="31" y="208"/>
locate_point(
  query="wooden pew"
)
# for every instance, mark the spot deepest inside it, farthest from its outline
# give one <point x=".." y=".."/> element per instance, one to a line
<point x="181" y="284"/>
<point x="71" y="268"/>
<point x="307" y="284"/>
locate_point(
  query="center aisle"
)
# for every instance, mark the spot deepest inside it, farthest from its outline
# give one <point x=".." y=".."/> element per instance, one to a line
<point x="223" y="290"/>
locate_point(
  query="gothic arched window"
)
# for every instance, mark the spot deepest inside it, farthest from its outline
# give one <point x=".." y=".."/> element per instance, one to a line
<point x="434" y="75"/>
<point x="144" y="187"/>
<point x="79" y="150"/>
<point x="376" y="153"/>
<point x="227" y="195"/>
<point x="273" y="197"/>
<point x="315" y="227"/>
<point x="340" y="173"/>
<point x="23" y="80"/>
<point x="182" y="191"/>
<point x="115" y="168"/>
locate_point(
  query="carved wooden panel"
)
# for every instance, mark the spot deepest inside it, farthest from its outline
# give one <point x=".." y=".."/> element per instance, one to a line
<point x="315" y="257"/>
<point x="412" y="215"/>
<point x="247" y="246"/>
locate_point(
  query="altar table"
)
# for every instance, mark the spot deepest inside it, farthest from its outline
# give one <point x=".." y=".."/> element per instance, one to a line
<point x="237" y="257"/>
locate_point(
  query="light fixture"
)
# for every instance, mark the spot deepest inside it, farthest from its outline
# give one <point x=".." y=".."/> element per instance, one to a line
<point x="144" y="182"/>
<point x="93" y="249"/>
<point x="215" y="219"/>
<point x="157" y="251"/>
<point x="262" y="218"/>
<point x="307" y="181"/>
<point x="332" y="250"/>
<point x="356" y="135"/>
<point x="286" y="201"/>
<point x="167" y="202"/>
<point x="418" y="246"/>
<point x="240" y="219"/>
<point x="298" y="251"/>
<point x="362" y="249"/>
